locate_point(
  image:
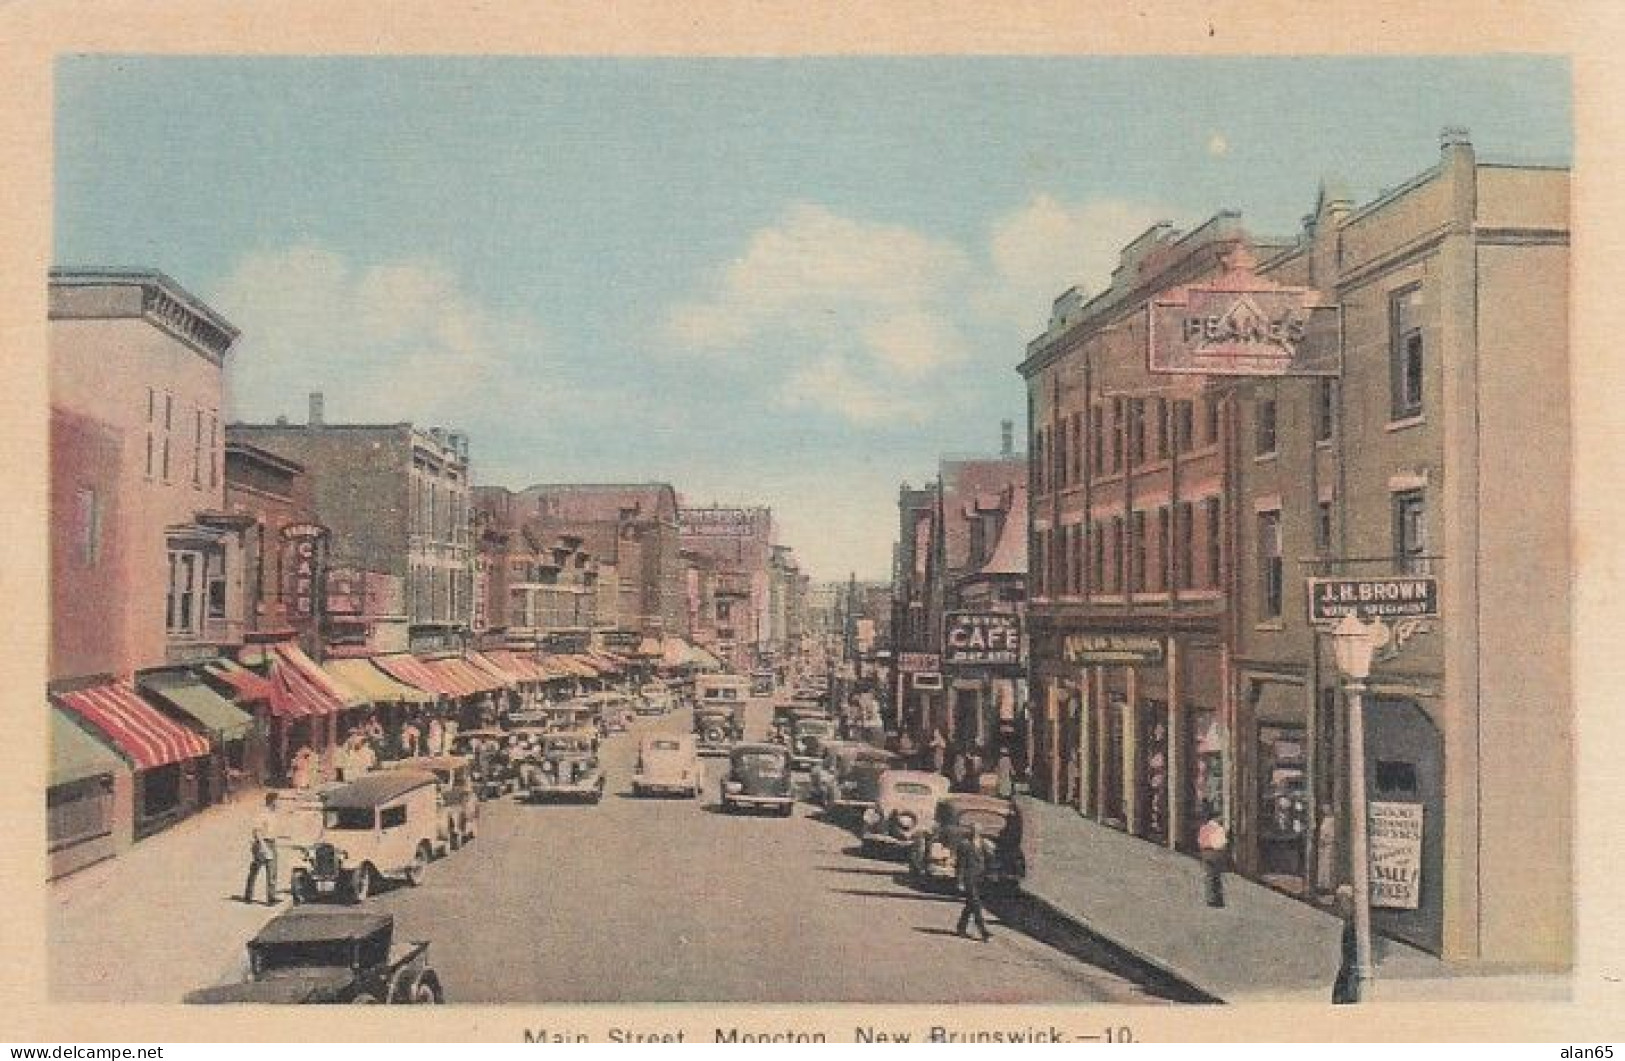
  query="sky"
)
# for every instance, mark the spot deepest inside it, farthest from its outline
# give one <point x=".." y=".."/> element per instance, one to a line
<point x="795" y="282"/>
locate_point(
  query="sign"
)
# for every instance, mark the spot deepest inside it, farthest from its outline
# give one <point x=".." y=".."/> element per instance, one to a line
<point x="981" y="639"/>
<point x="915" y="662"/>
<point x="622" y="640"/>
<point x="928" y="680"/>
<point x="304" y="545"/>
<point x="1128" y="649"/>
<point x="1330" y="599"/>
<point x="717" y="522"/>
<point x="567" y="642"/>
<point x="1242" y="325"/>
<point x="1395" y="847"/>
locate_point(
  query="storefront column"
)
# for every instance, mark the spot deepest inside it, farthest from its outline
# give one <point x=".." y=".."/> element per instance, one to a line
<point x="1131" y="754"/>
<point x="1177" y="781"/>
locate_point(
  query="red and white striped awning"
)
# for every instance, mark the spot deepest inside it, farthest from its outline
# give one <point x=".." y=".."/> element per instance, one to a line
<point x="136" y="728"/>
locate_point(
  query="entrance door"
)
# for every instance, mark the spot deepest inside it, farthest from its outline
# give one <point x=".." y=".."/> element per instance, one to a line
<point x="1405" y="771"/>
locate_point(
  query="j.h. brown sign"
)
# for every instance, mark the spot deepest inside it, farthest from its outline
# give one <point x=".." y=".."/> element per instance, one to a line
<point x="1416" y="597"/>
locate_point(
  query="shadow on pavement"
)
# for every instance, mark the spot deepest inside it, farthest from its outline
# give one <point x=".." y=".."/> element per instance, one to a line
<point x="857" y="869"/>
<point x="917" y="897"/>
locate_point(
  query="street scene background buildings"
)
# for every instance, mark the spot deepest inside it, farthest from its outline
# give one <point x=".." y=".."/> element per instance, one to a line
<point x="1097" y="606"/>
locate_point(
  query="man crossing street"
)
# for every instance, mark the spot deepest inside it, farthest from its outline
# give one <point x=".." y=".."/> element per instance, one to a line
<point x="973" y="856"/>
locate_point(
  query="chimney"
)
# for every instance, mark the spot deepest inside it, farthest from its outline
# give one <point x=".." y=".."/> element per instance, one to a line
<point x="315" y="408"/>
<point x="1007" y="430"/>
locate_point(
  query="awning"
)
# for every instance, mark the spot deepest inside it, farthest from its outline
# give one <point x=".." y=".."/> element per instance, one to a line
<point x="610" y="664"/>
<point x="463" y="677"/>
<point x="486" y="672"/>
<point x="403" y="666"/>
<point x="512" y="664"/>
<point x="293" y="657"/>
<point x="650" y="647"/>
<point x="378" y="687"/>
<point x="213" y="712"/>
<point x="133" y="726"/>
<point x="247" y="686"/>
<point x="76" y="755"/>
<point x="299" y="686"/>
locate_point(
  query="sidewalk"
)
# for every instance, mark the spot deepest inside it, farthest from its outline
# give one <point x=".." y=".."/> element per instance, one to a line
<point x="160" y="919"/>
<point x="1261" y="945"/>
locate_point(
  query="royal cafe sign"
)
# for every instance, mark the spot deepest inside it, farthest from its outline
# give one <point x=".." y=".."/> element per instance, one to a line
<point x="1242" y="324"/>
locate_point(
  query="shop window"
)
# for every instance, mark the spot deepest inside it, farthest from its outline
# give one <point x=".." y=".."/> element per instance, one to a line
<point x="1410" y="533"/>
<point x="1264" y="440"/>
<point x="79" y="811"/>
<point x="1207" y="770"/>
<point x="1269" y="565"/>
<point x="1406" y="357"/>
<point x="1153" y="770"/>
<point x="160" y="790"/>
<point x="1325" y="409"/>
<point x="1283" y="813"/>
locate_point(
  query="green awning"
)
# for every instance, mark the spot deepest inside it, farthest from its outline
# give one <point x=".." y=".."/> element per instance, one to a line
<point x="213" y="712"/>
<point x="76" y="755"/>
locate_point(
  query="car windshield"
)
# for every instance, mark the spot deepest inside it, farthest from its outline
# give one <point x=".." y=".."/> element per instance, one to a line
<point x="331" y="953"/>
<point x="911" y="788"/>
<point x="816" y="727"/>
<point x="347" y="818"/>
<point x="762" y="762"/>
<point x="991" y="822"/>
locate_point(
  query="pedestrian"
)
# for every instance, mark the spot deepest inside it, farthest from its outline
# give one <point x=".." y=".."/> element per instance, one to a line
<point x="939" y="751"/>
<point x="303" y="773"/>
<point x="262" y="852"/>
<point x="972" y="867"/>
<point x="411" y="739"/>
<point x="1212" y="843"/>
<point x="437" y="736"/>
<point x="1004" y="773"/>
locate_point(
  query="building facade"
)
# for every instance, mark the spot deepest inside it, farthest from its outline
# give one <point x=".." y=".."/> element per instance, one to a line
<point x="538" y="586"/>
<point x="1175" y="521"/>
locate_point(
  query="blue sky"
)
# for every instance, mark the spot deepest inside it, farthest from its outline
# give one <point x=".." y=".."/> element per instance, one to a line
<point x="787" y="281"/>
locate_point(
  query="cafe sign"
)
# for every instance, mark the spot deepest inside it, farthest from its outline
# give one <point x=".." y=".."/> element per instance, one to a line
<point x="1123" y="649"/>
<point x="981" y="639"/>
<point x="305" y="546"/>
<point x="1416" y="597"/>
<point x="1243" y="325"/>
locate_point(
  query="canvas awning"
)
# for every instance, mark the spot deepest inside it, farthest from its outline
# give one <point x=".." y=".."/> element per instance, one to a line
<point x="76" y="755"/>
<point x="247" y="686"/>
<point x="184" y="692"/>
<point x="377" y="686"/>
<point x="299" y="686"/>
<point x="406" y="667"/>
<point x="513" y="664"/>
<point x="137" y="729"/>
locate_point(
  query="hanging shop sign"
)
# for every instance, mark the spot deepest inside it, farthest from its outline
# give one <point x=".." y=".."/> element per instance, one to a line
<point x="1126" y="649"/>
<point x="1241" y="324"/>
<point x="305" y="545"/>
<point x="1415" y="597"/>
<point x="916" y="662"/>
<point x="1395" y="845"/>
<point x="981" y="639"/>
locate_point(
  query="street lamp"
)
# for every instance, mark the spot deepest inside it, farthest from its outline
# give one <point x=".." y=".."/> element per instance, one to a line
<point x="1354" y="642"/>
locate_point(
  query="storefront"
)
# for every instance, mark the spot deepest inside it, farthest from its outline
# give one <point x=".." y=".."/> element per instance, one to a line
<point x="88" y="801"/>
<point x="184" y="697"/>
<point x="165" y="757"/>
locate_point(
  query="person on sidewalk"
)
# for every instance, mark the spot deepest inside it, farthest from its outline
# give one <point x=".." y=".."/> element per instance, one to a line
<point x="972" y="868"/>
<point x="1213" y="843"/>
<point x="262" y="852"/>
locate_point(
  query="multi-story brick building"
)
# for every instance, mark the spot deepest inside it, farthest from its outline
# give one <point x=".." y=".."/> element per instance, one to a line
<point x="538" y="585"/>
<point x="395" y="500"/>
<point x="739" y="542"/>
<point x="1175" y="519"/>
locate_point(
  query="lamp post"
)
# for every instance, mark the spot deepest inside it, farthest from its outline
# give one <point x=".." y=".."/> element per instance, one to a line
<point x="1354" y="642"/>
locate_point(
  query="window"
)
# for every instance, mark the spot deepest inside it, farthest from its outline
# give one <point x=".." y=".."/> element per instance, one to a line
<point x="1118" y="536"/>
<point x="1323" y="527"/>
<point x="1184" y="426"/>
<point x="1269" y="565"/>
<point x="1136" y="431"/>
<point x="184" y="608"/>
<point x="1325" y="409"/>
<point x="1038" y="462"/>
<point x="1164" y="548"/>
<point x="1117" y="434"/>
<point x="1210" y="413"/>
<point x="215" y="583"/>
<point x="1097" y="441"/>
<point x="1078" y="546"/>
<point x="1076" y="448"/>
<point x="169" y="420"/>
<point x="1410" y="533"/>
<point x="1097" y="557"/>
<point x="197" y="447"/>
<point x="152" y="422"/>
<point x="1137" y="573"/>
<point x="1185" y="550"/>
<point x="1165" y="427"/>
<point x="392" y="817"/>
<point x="1264" y="424"/>
<point x="1406" y="354"/>
<point x="88" y="525"/>
<point x="1210" y="514"/>
<point x="214" y="450"/>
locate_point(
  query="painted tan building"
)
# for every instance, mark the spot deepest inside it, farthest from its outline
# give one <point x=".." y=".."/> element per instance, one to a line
<point x="1176" y="671"/>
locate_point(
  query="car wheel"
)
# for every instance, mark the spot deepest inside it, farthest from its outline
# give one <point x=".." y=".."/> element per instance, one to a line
<point x="361" y="881"/>
<point x="786" y="810"/>
<point x="420" y="862"/>
<point x="426" y="992"/>
<point x="301" y="888"/>
<point x="365" y="998"/>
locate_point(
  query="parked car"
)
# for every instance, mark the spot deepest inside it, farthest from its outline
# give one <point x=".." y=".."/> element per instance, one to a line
<point x="381" y="825"/>
<point x="759" y="778"/>
<point x="490" y="768"/>
<point x="668" y="762"/>
<point x="821" y="778"/>
<point x="853" y="784"/>
<point x="565" y="767"/>
<point x="807" y="739"/>
<point x="717" y="728"/>
<point x="459" y="803"/>
<point x="905" y="807"/>
<point x="654" y="699"/>
<point x="934" y="856"/>
<point x="323" y="955"/>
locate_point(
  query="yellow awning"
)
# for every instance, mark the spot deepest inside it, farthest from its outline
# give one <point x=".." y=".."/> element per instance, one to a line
<point x="374" y="684"/>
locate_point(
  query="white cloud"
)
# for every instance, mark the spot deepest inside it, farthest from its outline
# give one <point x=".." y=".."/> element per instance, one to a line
<point x="1217" y="145"/>
<point x="389" y="341"/>
<point x="1049" y="245"/>
<point x="834" y="311"/>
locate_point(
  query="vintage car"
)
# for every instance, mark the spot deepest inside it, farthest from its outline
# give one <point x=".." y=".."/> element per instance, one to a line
<point x="807" y="736"/>
<point x="654" y="699"/>
<point x="565" y="766"/>
<point x="381" y="825"/>
<point x="490" y="768"/>
<point x="668" y="763"/>
<point x="717" y="727"/>
<point x="821" y="777"/>
<point x="934" y="856"/>
<point x="759" y="778"/>
<point x="320" y="954"/>
<point x="459" y="803"/>
<point x="905" y="806"/>
<point x="851" y="780"/>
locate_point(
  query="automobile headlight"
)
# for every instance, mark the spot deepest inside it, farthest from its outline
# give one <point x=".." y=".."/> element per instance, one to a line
<point x="905" y="820"/>
<point x="733" y="787"/>
<point x="871" y="817"/>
